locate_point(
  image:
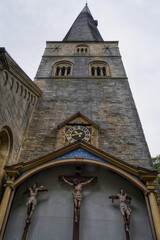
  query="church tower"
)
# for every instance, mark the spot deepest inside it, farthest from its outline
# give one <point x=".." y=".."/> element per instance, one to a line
<point x="85" y="74"/>
<point x="84" y="126"/>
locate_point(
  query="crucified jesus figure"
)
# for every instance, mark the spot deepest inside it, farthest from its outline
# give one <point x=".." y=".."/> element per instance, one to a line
<point x="77" y="195"/>
<point x="124" y="208"/>
<point x="32" y="201"/>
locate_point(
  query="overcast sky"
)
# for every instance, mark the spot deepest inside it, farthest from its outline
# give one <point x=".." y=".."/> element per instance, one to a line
<point x="25" y="26"/>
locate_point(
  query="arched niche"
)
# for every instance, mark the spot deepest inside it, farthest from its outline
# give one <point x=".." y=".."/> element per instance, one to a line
<point x="53" y="215"/>
<point x="6" y="143"/>
<point x="112" y="174"/>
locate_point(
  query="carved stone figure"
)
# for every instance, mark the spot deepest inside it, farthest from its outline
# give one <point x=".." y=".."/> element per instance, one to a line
<point x="124" y="200"/>
<point x="32" y="201"/>
<point x="77" y="195"/>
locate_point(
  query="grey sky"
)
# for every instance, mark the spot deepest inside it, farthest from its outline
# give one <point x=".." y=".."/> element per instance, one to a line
<point x="25" y="26"/>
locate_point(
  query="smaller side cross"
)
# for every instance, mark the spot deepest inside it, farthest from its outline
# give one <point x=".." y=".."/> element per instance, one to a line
<point x="124" y="200"/>
<point x="31" y="204"/>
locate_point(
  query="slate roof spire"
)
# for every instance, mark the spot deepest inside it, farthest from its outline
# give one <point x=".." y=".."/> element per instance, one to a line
<point x="84" y="28"/>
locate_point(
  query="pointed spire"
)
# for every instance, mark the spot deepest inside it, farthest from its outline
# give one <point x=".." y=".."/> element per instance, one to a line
<point x="84" y="28"/>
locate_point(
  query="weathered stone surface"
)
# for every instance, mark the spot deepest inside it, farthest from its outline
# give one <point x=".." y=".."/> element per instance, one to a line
<point x="18" y="95"/>
<point x="34" y="119"/>
<point x="106" y="101"/>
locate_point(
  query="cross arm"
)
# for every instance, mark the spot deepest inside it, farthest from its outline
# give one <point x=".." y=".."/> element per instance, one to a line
<point x="63" y="178"/>
<point x="42" y="189"/>
<point x="80" y="178"/>
<point x="114" y="196"/>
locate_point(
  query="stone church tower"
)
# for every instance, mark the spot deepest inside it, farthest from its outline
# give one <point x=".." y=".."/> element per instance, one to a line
<point x="77" y="119"/>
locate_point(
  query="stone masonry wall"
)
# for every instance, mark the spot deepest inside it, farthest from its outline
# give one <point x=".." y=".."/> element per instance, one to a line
<point x="107" y="101"/>
<point x="16" y="105"/>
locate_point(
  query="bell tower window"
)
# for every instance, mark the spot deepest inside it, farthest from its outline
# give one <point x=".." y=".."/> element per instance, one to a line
<point x="82" y="49"/>
<point x="68" y="71"/>
<point x="100" y="69"/>
<point x="57" y="71"/>
<point x="92" y="71"/>
<point x="63" y="68"/>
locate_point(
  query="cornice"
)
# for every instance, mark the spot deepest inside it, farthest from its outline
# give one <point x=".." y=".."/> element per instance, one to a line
<point x="8" y="63"/>
<point x="103" y="42"/>
<point x="84" y="78"/>
<point x="82" y="56"/>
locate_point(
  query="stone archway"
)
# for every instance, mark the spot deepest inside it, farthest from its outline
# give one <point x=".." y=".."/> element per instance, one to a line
<point x="6" y="143"/>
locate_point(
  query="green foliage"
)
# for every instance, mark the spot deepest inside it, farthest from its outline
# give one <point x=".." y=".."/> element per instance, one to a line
<point x="156" y="164"/>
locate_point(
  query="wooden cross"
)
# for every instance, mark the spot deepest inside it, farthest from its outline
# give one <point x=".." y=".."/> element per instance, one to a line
<point x="127" y="234"/>
<point x="25" y="231"/>
<point x="80" y="179"/>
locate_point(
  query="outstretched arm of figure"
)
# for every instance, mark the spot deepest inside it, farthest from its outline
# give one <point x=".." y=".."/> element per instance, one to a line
<point x="69" y="183"/>
<point x="114" y="196"/>
<point x="42" y="189"/>
<point x="85" y="183"/>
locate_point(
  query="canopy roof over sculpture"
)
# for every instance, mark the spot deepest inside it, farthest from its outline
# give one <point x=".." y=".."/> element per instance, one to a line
<point x="141" y="177"/>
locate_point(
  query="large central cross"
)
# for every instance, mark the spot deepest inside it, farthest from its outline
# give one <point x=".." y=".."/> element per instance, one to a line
<point x="81" y="179"/>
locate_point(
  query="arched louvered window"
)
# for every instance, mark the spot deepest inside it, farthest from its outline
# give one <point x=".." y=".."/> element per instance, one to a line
<point x="82" y="49"/>
<point x="99" y="69"/>
<point x="63" y="68"/>
<point x="92" y="71"/>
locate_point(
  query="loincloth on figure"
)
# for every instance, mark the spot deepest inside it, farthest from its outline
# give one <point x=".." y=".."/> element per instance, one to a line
<point x="79" y="198"/>
<point x="124" y="208"/>
<point x="31" y="200"/>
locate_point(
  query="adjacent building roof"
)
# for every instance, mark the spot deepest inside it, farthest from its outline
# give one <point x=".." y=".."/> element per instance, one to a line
<point x="84" y="28"/>
<point x="8" y="63"/>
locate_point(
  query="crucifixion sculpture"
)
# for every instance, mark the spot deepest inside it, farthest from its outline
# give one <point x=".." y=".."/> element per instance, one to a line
<point x="77" y="195"/>
<point x="124" y="200"/>
<point x="77" y="182"/>
<point x="31" y="204"/>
